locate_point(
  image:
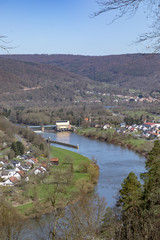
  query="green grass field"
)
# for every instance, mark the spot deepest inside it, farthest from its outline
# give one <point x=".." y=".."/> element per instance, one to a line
<point x="63" y="154"/>
<point x="62" y="176"/>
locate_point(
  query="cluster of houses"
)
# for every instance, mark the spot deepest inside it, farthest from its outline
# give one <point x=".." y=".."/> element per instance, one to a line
<point x="88" y="101"/>
<point x="12" y="172"/>
<point x="147" y="129"/>
<point x="127" y="98"/>
<point x="155" y="97"/>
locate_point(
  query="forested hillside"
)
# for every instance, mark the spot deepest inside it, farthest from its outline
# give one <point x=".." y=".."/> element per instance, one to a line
<point x="36" y="80"/>
<point x="137" y="71"/>
<point x="28" y="82"/>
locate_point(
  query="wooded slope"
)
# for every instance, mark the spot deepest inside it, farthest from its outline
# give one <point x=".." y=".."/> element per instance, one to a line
<point x="137" y="71"/>
<point x="34" y="82"/>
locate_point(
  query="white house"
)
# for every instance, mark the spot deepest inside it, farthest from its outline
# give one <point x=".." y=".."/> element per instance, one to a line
<point x="8" y="182"/>
<point x="16" y="163"/>
<point x="17" y="169"/>
<point x="2" y="162"/>
<point x="30" y="161"/>
<point x="106" y="126"/>
<point x="43" y="168"/>
<point x="17" y="175"/>
<point x="7" y="173"/>
<point x="151" y="125"/>
<point x="39" y="170"/>
<point x="11" y="181"/>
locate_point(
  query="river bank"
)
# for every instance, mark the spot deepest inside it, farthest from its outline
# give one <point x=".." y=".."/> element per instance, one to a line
<point x="138" y="145"/>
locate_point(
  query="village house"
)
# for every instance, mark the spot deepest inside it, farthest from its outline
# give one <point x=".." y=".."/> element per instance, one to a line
<point x="30" y="161"/>
<point x="44" y="165"/>
<point x="25" y="167"/>
<point x="17" y="169"/>
<point x="106" y="126"/>
<point x="122" y="125"/>
<point x="16" y="163"/>
<point x="39" y="170"/>
<point x="3" y="161"/>
<point x="11" y="181"/>
<point x="19" y="175"/>
<point x="98" y="126"/>
<point x="3" y="164"/>
<point x="149" y="125"/>
<point x="54" y="161"/>
<point x="7" y="173"/>
<point x="43" y="168"/>
<point x="35" y="160"/>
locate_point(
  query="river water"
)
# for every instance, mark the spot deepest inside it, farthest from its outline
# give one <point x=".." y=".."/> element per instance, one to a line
<point x="114" y="162"/>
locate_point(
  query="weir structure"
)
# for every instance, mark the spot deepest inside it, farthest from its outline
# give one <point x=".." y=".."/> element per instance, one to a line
<point x="62" y="143"/>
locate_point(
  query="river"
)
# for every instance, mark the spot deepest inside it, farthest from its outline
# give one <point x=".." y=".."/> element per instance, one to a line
<point x="114" y="162"/>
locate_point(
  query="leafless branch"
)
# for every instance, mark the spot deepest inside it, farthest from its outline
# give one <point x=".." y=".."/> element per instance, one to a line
<point x="4" y="44"/>
<point x="129" y="7"/>
<point x="123" y="6"/>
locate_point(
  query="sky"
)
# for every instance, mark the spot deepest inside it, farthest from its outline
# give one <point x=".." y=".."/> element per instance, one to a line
<point x="67" y="27"/>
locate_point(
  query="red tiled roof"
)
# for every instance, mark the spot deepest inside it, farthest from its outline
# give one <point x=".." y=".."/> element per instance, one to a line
<point x="44" y="164"/>
<point x="13" y="179"/>
<point x="35" y="160"/>
<point x="54" y="159"/>
<point x="156" y="134"/>
<point x="21" y="172"/>
<point x="149" y="123"/>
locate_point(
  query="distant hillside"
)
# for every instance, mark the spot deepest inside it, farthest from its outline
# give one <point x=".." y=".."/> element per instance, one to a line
<point x="35" y="83"/>
<point x="136" y="71"/>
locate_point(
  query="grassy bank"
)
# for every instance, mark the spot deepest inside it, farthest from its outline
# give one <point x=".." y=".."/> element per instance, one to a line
<point x="126" y="140"/>
<point x="74" y="176"/>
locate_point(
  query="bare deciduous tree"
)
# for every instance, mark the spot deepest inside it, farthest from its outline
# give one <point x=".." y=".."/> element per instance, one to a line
<point x="130" y="7"/>
<point x="80" y="220"/>
<point x="11" y="222"/>
<point x="3" y="43"/>
<point x="83" y="219"/>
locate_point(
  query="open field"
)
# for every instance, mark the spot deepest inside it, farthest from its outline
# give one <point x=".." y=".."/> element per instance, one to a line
<point x="62" y="184"/>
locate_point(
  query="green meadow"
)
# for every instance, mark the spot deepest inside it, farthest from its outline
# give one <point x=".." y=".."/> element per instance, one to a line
<point x="74" y="175"/>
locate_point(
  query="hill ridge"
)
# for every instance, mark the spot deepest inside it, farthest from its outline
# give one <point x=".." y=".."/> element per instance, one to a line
<point x="66" y="74"/>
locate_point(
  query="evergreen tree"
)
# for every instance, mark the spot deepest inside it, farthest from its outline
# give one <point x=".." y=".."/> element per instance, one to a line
<point x="130" y="193"/>
<point x="151" y="195"/>
<point x="41" y="146"/>
<point x="14" y="148"/>
<point x="20" y="148"/>
<point x="130" y="203"/>
<point x="140" y="207"/>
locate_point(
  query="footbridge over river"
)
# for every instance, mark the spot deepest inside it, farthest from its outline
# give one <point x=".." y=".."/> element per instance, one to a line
<point x="43" y="127"/>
